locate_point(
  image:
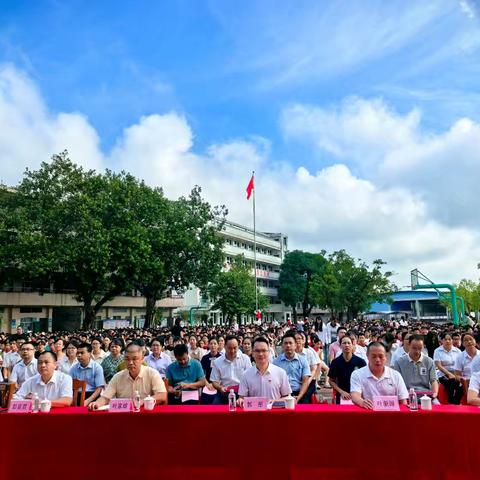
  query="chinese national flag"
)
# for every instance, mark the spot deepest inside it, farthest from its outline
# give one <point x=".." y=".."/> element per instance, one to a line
<point x="250" y="188"/>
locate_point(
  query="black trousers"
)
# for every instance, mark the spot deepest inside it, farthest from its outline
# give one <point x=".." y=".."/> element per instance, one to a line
<point x="453" y="388"/>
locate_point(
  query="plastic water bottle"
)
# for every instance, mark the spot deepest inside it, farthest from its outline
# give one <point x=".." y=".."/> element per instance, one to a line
<point x="232" y="401"/>
<point x="412" y="400"/>
<point x="136" y="401"/>
<point x="35" y="403"/>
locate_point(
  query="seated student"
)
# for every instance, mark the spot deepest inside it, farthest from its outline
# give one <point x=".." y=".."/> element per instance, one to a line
<point x="376" y="379"/>
<point x="48" y="384"/>
<point x="136" y="377"/>
<point x="341" y="369"/>
<point x="185" y="374"/>
<point x="27" y="367"/>
<point x="418" y="370"/>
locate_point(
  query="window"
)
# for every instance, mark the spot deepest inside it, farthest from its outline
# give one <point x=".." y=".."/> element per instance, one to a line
<point x="31" y="309"/>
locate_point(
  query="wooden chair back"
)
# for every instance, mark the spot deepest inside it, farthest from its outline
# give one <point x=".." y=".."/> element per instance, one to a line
<point x="79" y="389"/>
<point x="7" y="389"/>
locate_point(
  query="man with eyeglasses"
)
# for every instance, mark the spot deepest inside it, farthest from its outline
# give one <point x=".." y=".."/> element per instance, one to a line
<point x="27" y="367"/>
<point x="263" y="379"/>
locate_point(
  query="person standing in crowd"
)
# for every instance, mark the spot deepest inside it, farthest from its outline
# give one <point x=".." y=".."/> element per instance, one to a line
<point x="313" y="361"/>
<point x="445" y="357"/>
<point x="418" y="370"/>
<point x="158" y="359"/>
<point x="376" y="379"/>
<point x="296" y="368"/>
<point x="341" y="370"/>
<point x="263" y="379"/>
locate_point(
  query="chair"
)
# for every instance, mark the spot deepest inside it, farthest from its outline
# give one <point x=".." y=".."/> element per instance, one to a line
<point x="79" y="389"/>
<point x="7" y="389"/>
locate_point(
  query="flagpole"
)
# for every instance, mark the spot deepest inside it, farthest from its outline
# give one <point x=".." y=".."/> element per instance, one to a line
<point x="255" y="244"/>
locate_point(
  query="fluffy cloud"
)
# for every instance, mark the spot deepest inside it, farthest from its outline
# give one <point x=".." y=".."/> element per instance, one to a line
<point x="332" y="208"/>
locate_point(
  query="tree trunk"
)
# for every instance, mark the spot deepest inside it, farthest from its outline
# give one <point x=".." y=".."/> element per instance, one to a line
<point x="151" y="309"/>
<point x="89" y="315"/>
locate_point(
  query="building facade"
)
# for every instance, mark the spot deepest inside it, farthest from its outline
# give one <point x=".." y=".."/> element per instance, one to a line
<point x="271" y="250"/>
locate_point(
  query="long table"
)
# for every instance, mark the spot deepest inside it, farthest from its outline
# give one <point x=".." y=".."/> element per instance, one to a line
<point x="314" y="442"/>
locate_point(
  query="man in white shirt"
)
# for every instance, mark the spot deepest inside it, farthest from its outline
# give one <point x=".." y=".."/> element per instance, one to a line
<point x="473" y="397"/>
<point x="27" y="367"/>
<point x="401" y="351"/>
<point x="312" y="358"/>
<point x="48" y="383"/>
<point x="228" y="370"/>
<point x="376" y="379"/>
<point x="158" y="359"/>
<point x="10" y="359"/>
<point x="263" y="379"/>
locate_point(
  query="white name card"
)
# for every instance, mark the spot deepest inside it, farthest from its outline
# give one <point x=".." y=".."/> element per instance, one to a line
<point x="345" y="402"/>
<point x="252" y="404"/>
<point x="20" y="406"/>
<point x="386" y="403"/>
<point x="120" y="405"/>
<point x="190" y="395"/>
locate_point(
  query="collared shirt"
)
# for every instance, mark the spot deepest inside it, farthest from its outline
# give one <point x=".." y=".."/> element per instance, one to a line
<point x="475" y="365"/>
<point x="100" y="357"/>
<point x="359" y="351"/>
<point x="230" y="372"/>
<point x="65" y="366"/>
<point x="475" y="382"/>
<point x="92" y="374"/>
<point x="191" y="373"/>
<point x="391" y="382"/>
<point x="160" y="364"/>
<point x="311" y="356"/>
<point x="273" y="384"/>
<point x="398" y="353"/>
<point x="419" y="374"/>
<point x="10" y="359"/>
<point x="296" y="368"/>
<point x="22" y="372"/>
<point x="463" y="363"/>
<point x="196" y="354"/>
<point x="122" y="385"/>
<point x="341" y="371"/>
<point x="334" y="349"/>
<point x="447" y="358"/>
<point x="110" y="366"/>
<point x="59" y="386"/>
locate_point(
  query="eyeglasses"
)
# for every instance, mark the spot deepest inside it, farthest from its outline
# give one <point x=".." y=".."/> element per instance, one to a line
<point x="261" y="351"/>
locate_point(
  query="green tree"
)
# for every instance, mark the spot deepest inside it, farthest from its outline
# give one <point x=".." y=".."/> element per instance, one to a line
<point x="295" y="282"/>
<point x="470" y="292"/>
<point x="233" y="292"/>
<point x="186" y="248"/>
<point x="67" y="224"/>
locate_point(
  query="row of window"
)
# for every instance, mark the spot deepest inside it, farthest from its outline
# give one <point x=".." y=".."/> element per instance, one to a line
<point x="249" y="246"/>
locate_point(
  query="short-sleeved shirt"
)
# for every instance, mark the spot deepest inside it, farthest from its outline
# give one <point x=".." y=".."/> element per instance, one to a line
<point x="122" y="385"/>
<point x="160" y="364"/>
<point x="230" y="372"/>
<point x="341" y="371"/>
<point x="475" y="382"/>
<point x="192" y="372"/>
<point x="368" y="385"/>
<point x="22" y="372"/>
<point x="59" y="386"/>
<point x="273" y="384"/>
<point x="475" y="365"/>
<point x="418" y="375"/>
<point x="207" y="364"/>
<point x="92" y="374"/>
<point x="463" y="363"/>
<point x="10" y="359"/>
<point x="447" y="358"/>
<point x="296" y="368"/>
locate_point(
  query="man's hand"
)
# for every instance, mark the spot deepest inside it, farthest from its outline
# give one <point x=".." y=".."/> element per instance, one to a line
<point x="92" y="405"/>
<point x="240" y="402"/>
<point x="183" y="386"/>
<point x="367" y="404"/>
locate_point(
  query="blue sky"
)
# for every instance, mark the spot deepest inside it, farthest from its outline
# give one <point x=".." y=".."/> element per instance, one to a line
<point x="231" y="68"/>
<point x="366" y="102"/>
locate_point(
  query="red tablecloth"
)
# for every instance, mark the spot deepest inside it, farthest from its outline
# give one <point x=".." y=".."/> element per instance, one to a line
<point x="314" y="442"/>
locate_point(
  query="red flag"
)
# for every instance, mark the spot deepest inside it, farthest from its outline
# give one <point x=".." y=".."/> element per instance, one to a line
<point x="250" y="188"/>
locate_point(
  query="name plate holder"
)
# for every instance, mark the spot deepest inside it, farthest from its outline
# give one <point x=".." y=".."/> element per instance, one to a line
<point x="120" y="405"/>
<point x="386" y="403"/>
<point x="345" y="402"/>
<point x="20" y="406"/>
<point x="255" y="404"/>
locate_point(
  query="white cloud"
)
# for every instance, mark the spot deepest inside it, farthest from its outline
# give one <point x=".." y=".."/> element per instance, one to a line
<point x="29" y="134"/>
<point x="331" y="208"/>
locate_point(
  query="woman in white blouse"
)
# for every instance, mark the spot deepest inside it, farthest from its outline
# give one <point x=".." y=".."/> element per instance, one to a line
<point x="463" y="364"/>
<point x="445" y="357"/>
<point x="69" y="359"/>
